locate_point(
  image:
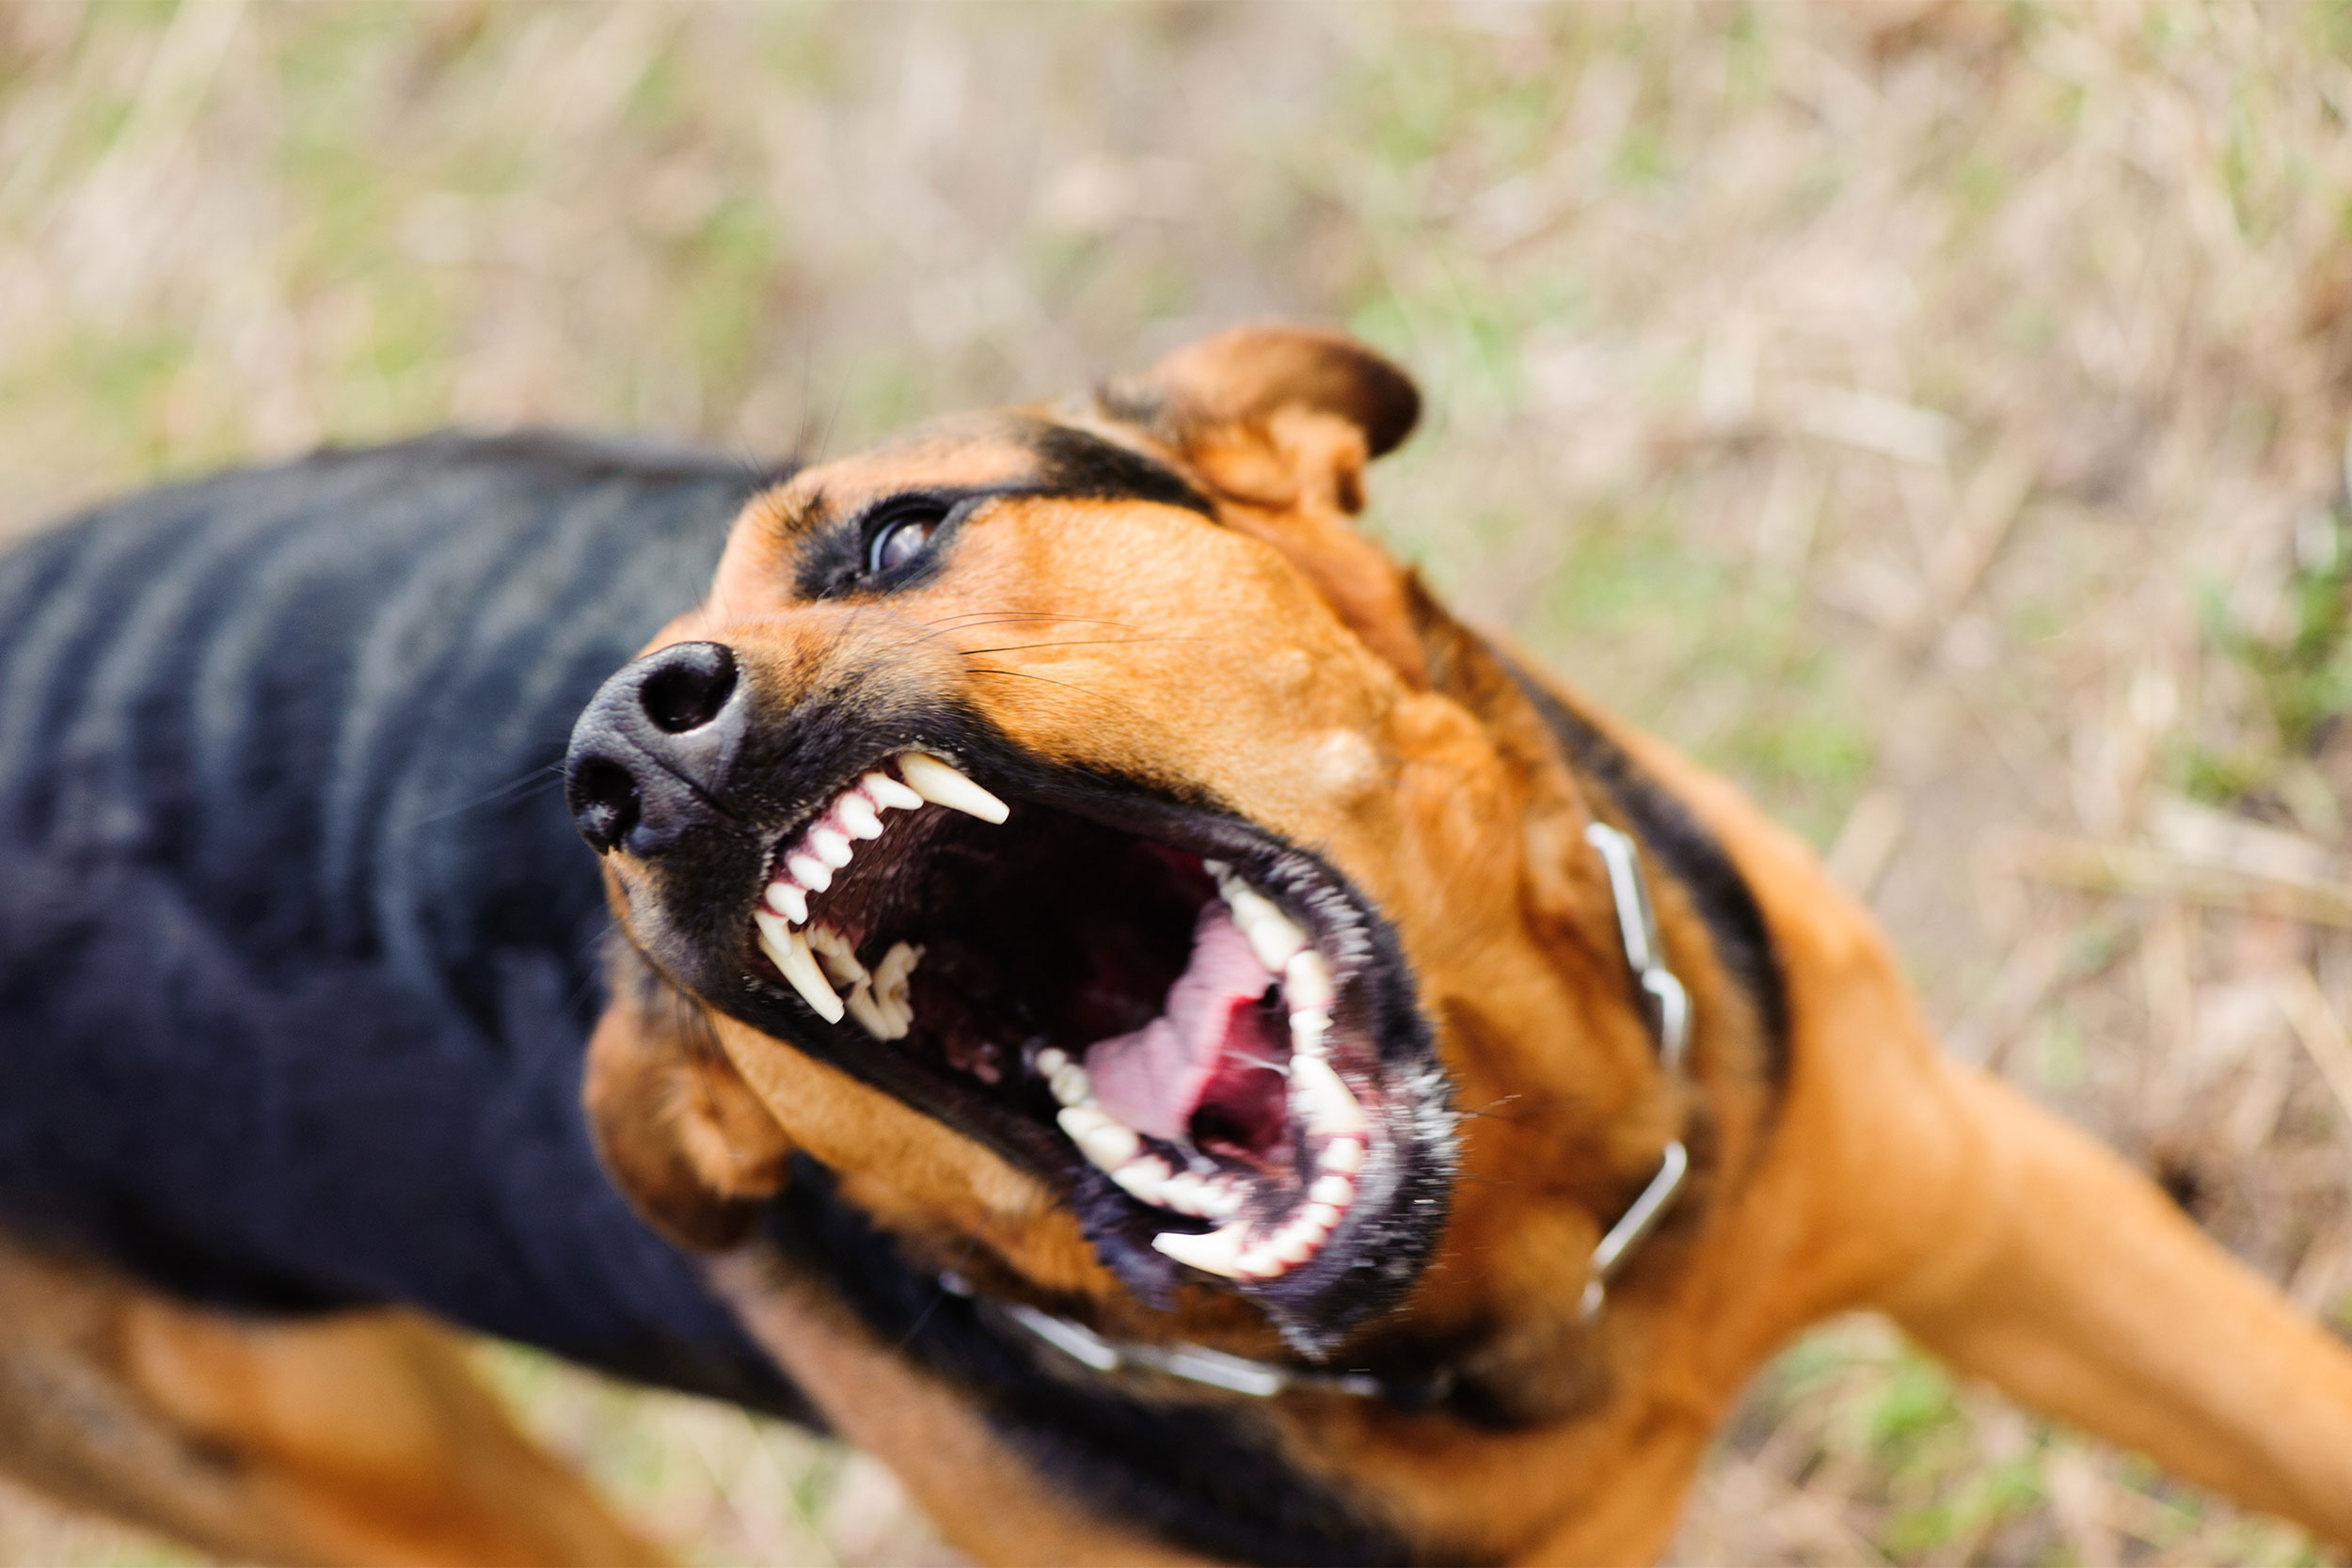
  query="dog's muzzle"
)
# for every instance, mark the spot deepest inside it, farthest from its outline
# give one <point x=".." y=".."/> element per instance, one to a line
<point x="651" y="754"/>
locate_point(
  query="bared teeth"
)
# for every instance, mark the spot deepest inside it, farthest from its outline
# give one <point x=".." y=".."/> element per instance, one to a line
<point x="1333" y="1189"/>
<point x="1142" y="1177"/>
<point x="869" y="1015"/>
<point x="1310" y="1028"/>
<point x="943" y="785"/>
<point x="1217" y="1252"/>
<point x="1106" y="1141"/>
<point x="1278" y="943"/>
<point x="816" y="960"/>
<point x="1186" y="1192"/>
<point x="829" y="844"/>
<point x="1307" y="982"/>
<point x="892" y="978"/>
<point x="1325" y="1103"/>
<point x="1257" y="1260"/>
<point x="1271" y="934"/>
<point x="788" y="951"/>
<point x="1069" y="1084"/>
<point x="879" y="1002"/>
<point x="888" y="793"/>
<point x="833" y="951"/>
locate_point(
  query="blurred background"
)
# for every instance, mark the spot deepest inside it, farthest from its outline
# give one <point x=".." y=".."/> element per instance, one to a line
<point x="1932" y="416"/>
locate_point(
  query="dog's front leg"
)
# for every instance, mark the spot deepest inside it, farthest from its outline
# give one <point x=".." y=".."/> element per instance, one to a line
<point x="2074" y="1285"/>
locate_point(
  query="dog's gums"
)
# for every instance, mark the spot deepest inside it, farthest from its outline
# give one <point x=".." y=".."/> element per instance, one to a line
<point x="1172" y="1019"/>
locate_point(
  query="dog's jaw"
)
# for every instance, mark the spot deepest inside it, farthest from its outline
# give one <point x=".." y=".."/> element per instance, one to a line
<point x="1201" y="1038"/>
<point x="1166" y="701"/>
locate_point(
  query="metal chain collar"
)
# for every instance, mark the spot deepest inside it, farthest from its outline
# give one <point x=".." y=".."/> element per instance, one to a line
<point x="1667" y="1011"/>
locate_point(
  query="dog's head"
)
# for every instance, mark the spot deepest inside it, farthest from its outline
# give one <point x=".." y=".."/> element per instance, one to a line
<point x="1079" y="839"/>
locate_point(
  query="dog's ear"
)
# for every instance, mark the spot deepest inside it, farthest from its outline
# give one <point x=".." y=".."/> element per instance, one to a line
<point x="1279" y="422"/>
<point x="680" y="1134"/>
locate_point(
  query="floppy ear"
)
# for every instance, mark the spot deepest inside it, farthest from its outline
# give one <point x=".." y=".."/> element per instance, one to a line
<point x="1279" y="422"/>
<point x="684" y="1138"/>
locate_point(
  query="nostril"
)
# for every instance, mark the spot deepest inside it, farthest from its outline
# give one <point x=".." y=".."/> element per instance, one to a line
<point x="604" y="801"/>
<point x="691" y="686"/>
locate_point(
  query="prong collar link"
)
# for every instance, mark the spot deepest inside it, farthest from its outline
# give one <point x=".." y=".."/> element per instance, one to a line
<point x="1667" y="1009"/>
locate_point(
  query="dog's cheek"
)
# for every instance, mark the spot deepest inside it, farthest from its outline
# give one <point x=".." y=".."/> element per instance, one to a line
<point x="682" y="1136"/>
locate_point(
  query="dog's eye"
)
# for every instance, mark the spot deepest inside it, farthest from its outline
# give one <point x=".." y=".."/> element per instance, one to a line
<point x="900" y="535"/>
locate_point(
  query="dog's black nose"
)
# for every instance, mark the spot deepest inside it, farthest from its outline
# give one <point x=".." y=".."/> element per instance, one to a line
<point x="649" y="756"/>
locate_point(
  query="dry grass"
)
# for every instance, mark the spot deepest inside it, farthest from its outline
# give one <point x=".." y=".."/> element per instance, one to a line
<point x="1931" y="416"/>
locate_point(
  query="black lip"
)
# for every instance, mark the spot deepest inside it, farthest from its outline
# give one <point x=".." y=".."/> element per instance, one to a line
<point x="1403" y="1196"/>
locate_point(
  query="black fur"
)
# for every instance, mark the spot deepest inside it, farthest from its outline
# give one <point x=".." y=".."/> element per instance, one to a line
<point x="1206" y="1475"/>
<point x="1073" y="463"/>
<point x="297" y="947"/>
<point x="1689" y="854"/>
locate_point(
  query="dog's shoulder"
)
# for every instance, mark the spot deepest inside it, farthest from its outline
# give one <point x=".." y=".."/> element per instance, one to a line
<point x="296" y="943"/>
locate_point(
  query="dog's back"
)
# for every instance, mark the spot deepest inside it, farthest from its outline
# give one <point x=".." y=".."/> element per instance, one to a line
<point x="297" y="945"/>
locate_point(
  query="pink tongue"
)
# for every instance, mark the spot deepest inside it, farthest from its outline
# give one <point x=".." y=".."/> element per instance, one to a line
<point x="1153" y="1079"/>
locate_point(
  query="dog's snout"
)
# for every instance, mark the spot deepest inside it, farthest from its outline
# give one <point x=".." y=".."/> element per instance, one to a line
<point x="650" y="752"/>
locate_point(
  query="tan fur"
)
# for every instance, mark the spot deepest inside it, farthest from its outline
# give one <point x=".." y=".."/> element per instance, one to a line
<point x="1281" y="660"/>
<point x="356" y="1438"/>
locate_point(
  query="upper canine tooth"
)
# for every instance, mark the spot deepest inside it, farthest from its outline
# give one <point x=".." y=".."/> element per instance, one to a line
<point x="1307" y="982"/>
<point x="830" y="844"/>
<point x="808" y="870"/>
<point x="1272" y="936"/>
<point x="941" y="784"/>
<point x="1217" y="1252"/>
<point x="788" y="951"/>
<point x="788" y="900"/>
<point x="1328" y="1104"/>
<point x="857" y="816"/>
<point x="889" y="793"/>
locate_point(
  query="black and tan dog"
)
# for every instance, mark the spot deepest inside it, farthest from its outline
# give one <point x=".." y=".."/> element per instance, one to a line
<point x="1068" y="886"/>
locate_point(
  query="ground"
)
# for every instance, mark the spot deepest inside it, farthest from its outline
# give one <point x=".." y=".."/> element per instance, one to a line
<point x="1932" y="416"/>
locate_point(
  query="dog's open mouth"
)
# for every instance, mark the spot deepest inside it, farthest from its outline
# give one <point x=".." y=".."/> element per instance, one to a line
<point x="1190" y="1015"/>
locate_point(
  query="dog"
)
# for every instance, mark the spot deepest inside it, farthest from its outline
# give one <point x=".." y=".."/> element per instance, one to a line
<point x="1092" y="985"/>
